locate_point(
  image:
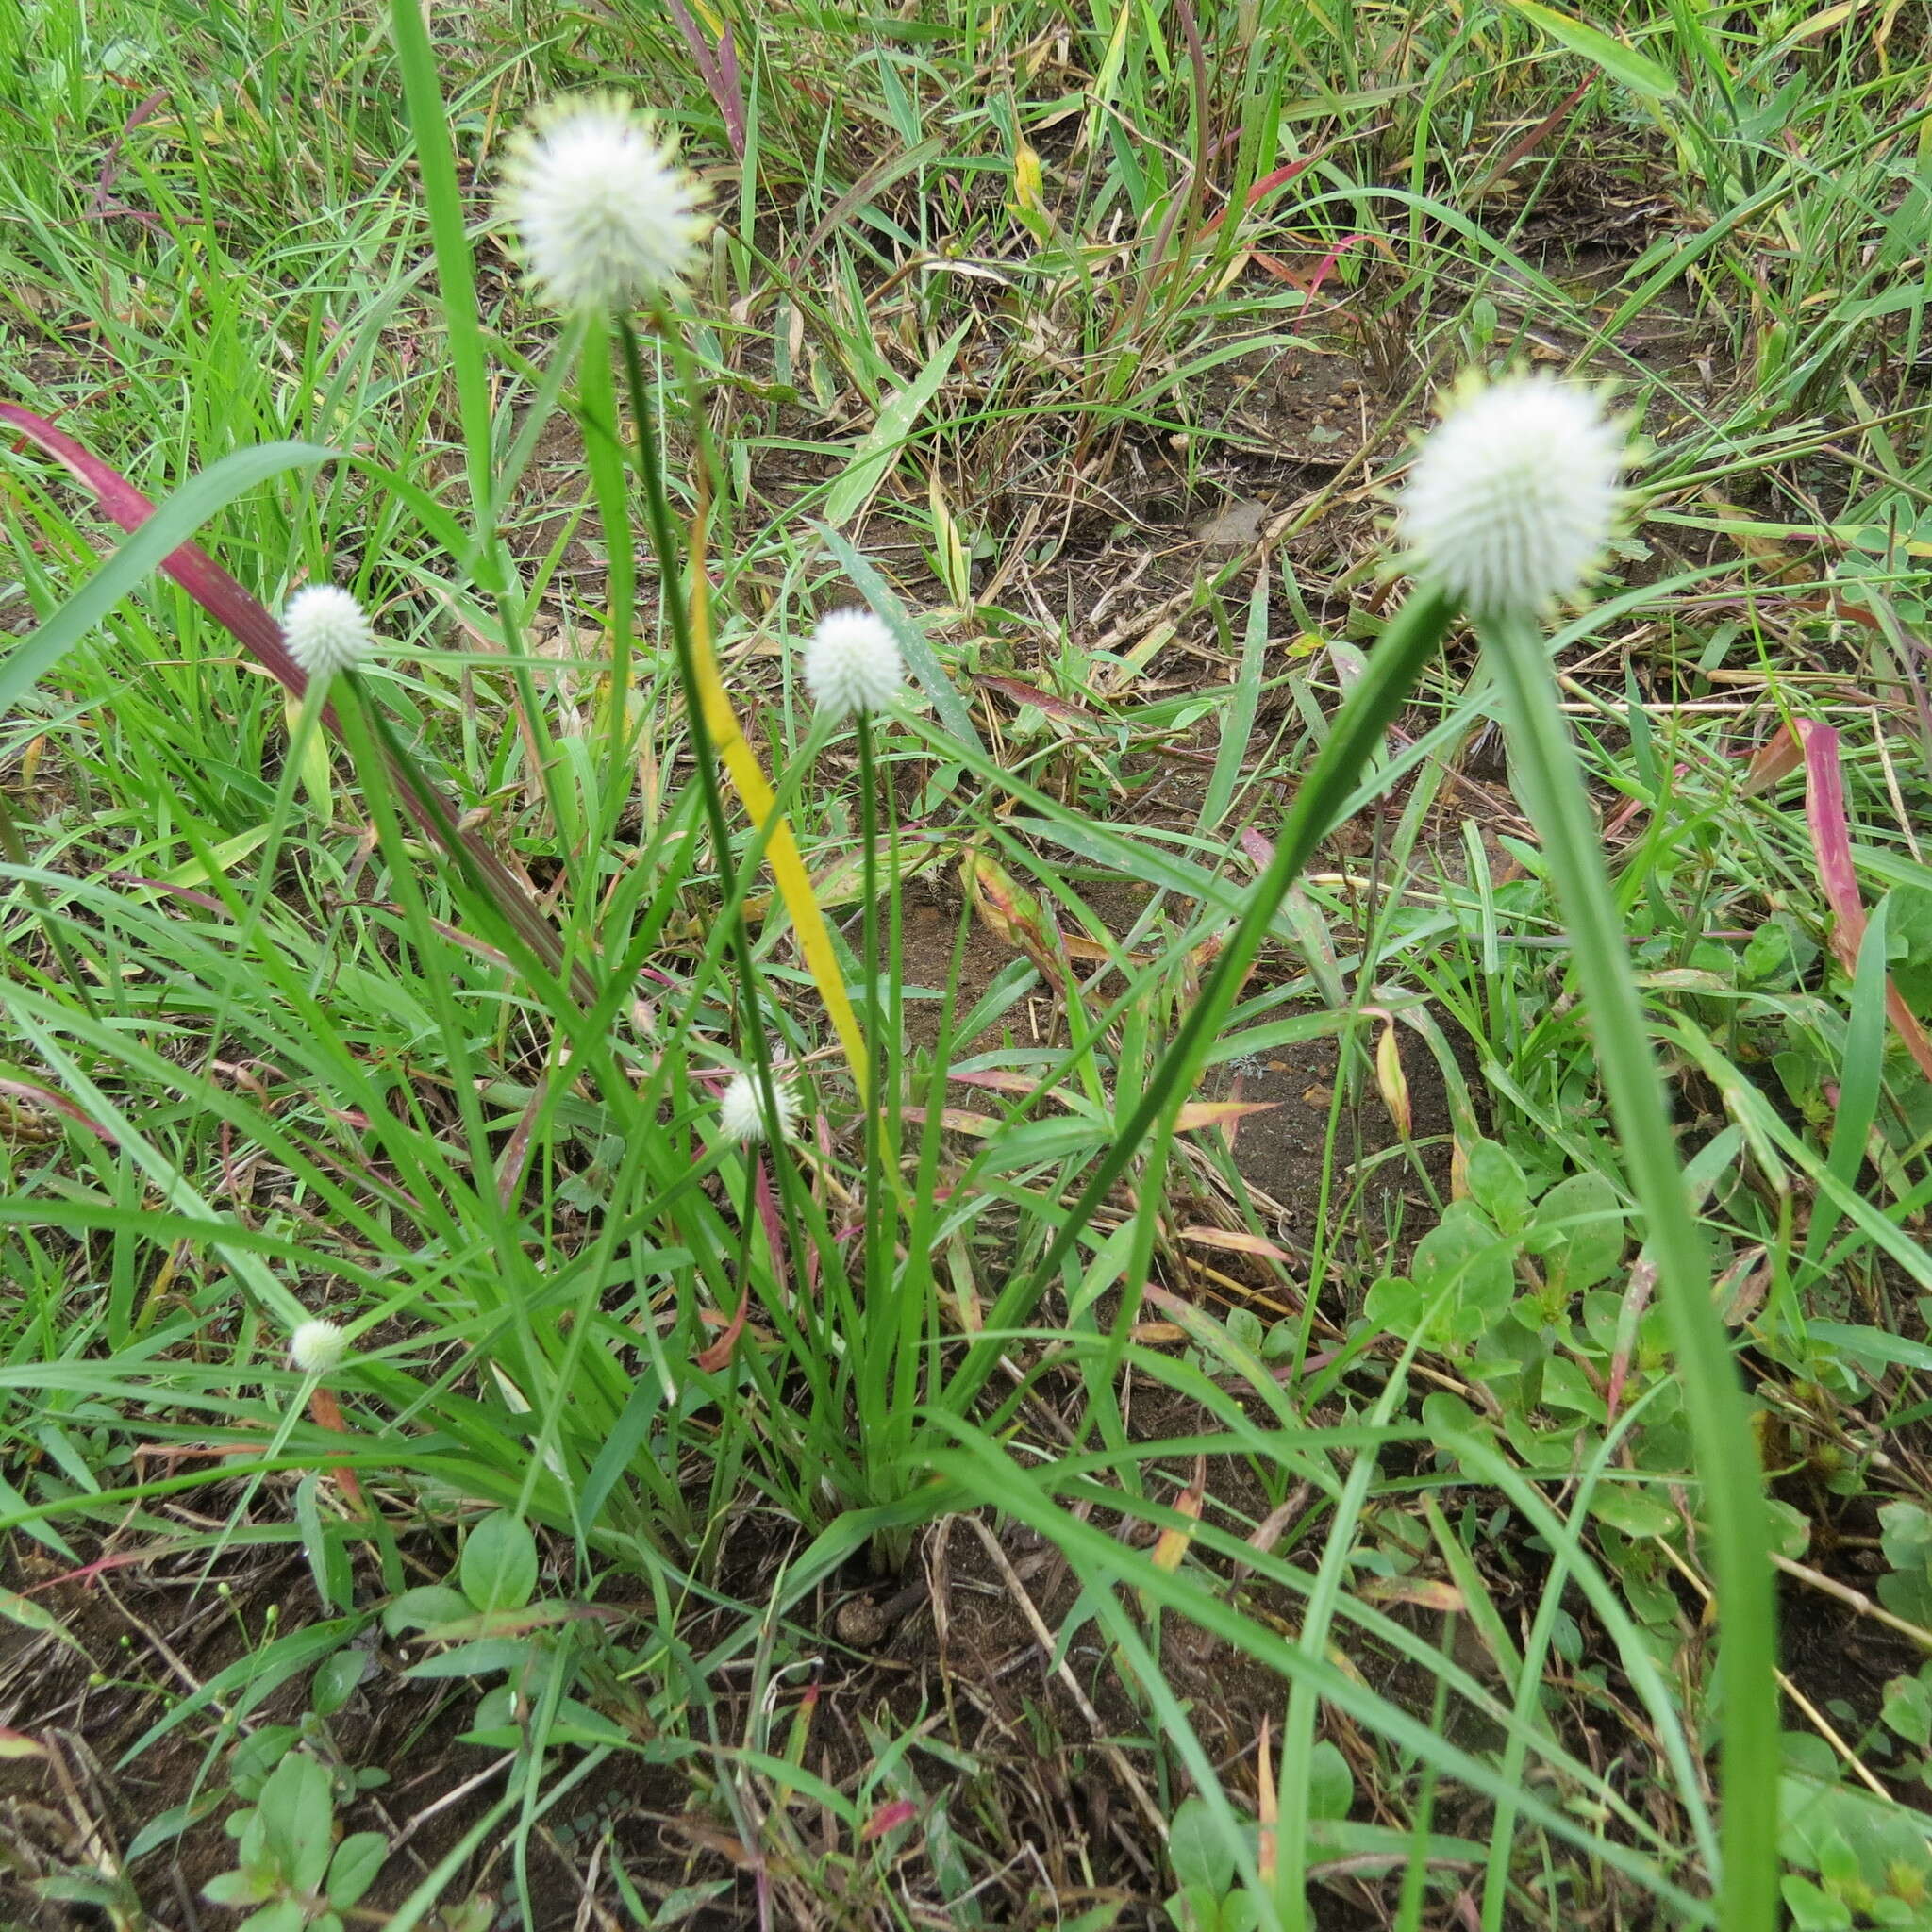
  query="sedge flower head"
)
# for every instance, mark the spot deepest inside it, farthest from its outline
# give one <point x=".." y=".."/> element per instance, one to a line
<point x="742" y="1112"/>
<point x="318" y="1347"/>
<point x="326" y="630"/>
<point x="852" y="663"/>
<point x="1511" y="501"/>
<point x="601" y="210"/>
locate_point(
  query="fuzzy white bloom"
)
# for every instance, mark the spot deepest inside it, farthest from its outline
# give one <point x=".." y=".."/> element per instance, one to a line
<point x="602" y="209"/>
<point x="326" y="630"/>
<point x="318" y="1347"/>
<point x="741" y="1112"/>
<point x="1510" y="502"/>
<point x="852" y="663"/>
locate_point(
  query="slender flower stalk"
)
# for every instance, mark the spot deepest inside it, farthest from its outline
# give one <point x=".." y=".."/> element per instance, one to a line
<point x="1509" y="506"/>
<point x="852" y="667"/>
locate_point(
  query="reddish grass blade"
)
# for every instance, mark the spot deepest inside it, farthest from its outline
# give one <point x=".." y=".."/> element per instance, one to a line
<point x="36" y="1095"/>
<point x="1023" y="693"/>
<point x="1831" y="844"/>
<point x="1777" y="758"/>
<point x="247" y="619"/>
<point x="1311" y="284"/>
<point x="328" y="1412"/>
<point x="1265" y="186"/>
<point x="719" y="71"/>
<point x="1547" y="126"/>
<point x="888" y="1817"/>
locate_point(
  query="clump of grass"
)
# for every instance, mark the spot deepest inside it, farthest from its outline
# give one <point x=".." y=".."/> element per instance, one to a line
<point x="548" y="1063"/>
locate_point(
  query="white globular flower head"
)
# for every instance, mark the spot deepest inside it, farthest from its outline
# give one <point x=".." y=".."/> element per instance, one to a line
<point x="1511" y="501"/>
<point x="326" y="630"/>
<point x="741" y="1112"/>
<point x="601" y="210"/>
<point x="318" y="1347"/>
<point x="852" y="663"/>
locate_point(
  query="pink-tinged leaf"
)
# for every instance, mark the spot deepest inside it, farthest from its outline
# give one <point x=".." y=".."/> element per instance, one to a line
<point x="514" y="1162"/>
<point x="1535" y="138"/>
<point x="1219" y="1113"/>
<point x="1002" y="1083"/>
<point x="190" y="566"/>
<point x="1260" y="851"/>
<point x="1778" y="756"/>
<point x="719" y="71"/>
<point x="1425" y="1592"/>
<point x="1831" y="845"/>
<point x="1267" y="1810"/>
<point x="56" y="1103"/>
<point x="955" y="1120"/>
<point x="1021" y="1085"/>
<point x="1265" y="186"/>
<point x="889" y="1818"/>
<point x="206" y="901"/>
<point x="91" y="1573"/>
<point x="1326" y="267"/>
<point x="772" y="1222"/>
<point x="15" y="1744"/>
<point x="1636" y="1299"/>
<point x="713" y="1359"/>
<point x="1237" y="1241"/>
<point x="1311" y="285"/>
<point x="1012" y="914"/>
<point x="1022" y="693"/>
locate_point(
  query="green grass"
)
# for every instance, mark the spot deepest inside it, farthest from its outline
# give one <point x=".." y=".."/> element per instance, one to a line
<point x="1313" y="1533"/>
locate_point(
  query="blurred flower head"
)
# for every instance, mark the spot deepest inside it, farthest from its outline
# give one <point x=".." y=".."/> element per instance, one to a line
<point x="742" y="1112"/>
<point x="603" y="212"/>
<point x="1511" y="501"/>
<point x="318" y="1347"/>
<point x="326" y="630"/>
<point x="852" y="663"/>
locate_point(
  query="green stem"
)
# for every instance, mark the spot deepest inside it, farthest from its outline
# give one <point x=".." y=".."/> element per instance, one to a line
<point x="1550" y="779"/>
<point x="881" y="1323"/>
<point x="704" y="751"/>
<point x="1412" y="638"/>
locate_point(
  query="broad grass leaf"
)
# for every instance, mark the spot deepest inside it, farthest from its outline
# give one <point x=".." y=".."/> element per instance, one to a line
<point x="877" y="450"/>
<point x="1620" y="62"/>
<point x="1578" y="1230"/>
